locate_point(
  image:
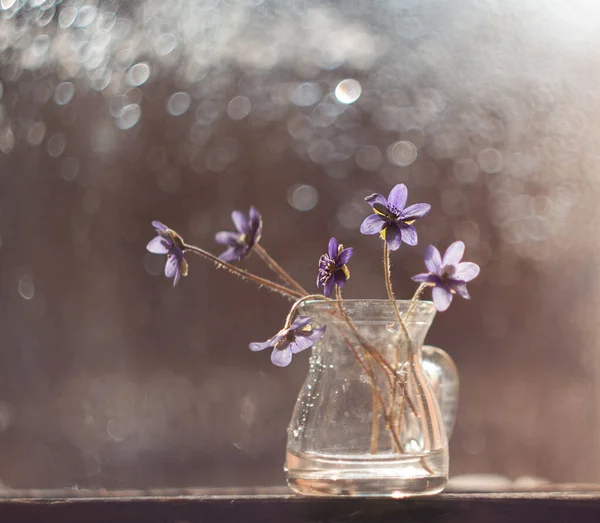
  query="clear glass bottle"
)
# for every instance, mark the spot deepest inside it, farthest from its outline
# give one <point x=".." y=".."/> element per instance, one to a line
<point x="367" y="421"/>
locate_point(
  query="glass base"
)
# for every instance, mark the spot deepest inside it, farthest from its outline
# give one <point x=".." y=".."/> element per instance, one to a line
<point x="391" y="475"/>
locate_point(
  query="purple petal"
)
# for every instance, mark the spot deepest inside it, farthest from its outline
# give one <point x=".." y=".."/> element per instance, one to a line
<point x="426" y="277"/>
<point x="158" y="245"/>
<point x="316" y="334"/>
<point x="409" y="235"/>
<point x="240" y="221"/>
<point x="398" y="196"/>
<point x="461" y="289"/>
<point x="256" y="346"/>
<point x="416" y="211"/>
<point x="393" y="237"/>
<point x="433" y="260"/>
<point x="282" y="358"/>
<point x="442" y="298"/>
<point x="228" y="238"/>
<point x="345" y="256"/>
<point x="160" y="226"/>
<point x="303" y="342"/>
<point x="328" y="287"/>
<point x="172" y="266"/>
<point x="376" y="198"/>
<point x="372" y="224"/>
<point x="177" y="276"/>
<point x="340" y="280"/>
<point x="466" y="271"/>
<point x="255" y="223"/>
<point x="454" y="253"/>
<point x="332" y="249"/>
<point x="299" y="322"/>
<point x="300" y="343"/>
<point x="232" y="254"/>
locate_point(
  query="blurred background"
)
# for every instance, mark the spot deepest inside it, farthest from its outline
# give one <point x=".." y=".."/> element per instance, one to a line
<point x="113" y="114"/>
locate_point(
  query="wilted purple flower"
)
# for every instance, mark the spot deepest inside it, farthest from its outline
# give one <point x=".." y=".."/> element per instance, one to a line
<point x="170" y="243"/>
<point x="240" y="243"/>
<point x="448" y="276"/>
<point x="298" y="337"/>
<point x="332" y="267"/>
<point x="391" y="219"/>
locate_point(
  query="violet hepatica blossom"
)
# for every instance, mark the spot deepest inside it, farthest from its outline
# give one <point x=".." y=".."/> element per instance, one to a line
<point x="240" y="243"/>
<point x="287" y="342"/>
<point x="170" y="243"/>
<point x="392" y="219"/>
<point x="332" y="267"/>
<point x="449" y="275"/>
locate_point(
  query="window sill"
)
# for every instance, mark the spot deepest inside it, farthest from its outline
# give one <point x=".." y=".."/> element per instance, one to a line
<point x="579" y="503"/>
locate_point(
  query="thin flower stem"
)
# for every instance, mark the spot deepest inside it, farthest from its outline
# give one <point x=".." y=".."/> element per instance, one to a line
<point x="375" y="415"/>
<point x="390" y="293"/>
<point x="290" y="316"/>
<point x="380" y="398"/>
<point x="370" y="371"/>
<point x="390" y="374"/>
<point x="278" y="269"/>
<point x="244" y="275"/>
<point x="378" y="357"/>
<point x="400" y="414"/>
<point x="370" y="349"/>
<point x="413" y="303"/>
<point x="415" y="299"/>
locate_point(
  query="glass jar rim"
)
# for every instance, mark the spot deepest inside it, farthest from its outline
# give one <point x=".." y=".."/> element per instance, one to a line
<point x="422" y="310"/>
<point x="381" y="301"/>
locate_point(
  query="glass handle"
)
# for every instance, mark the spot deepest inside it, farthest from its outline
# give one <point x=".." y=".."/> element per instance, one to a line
<point x="443" y="377"/>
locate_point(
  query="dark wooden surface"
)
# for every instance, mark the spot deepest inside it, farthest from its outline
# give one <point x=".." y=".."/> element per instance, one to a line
<point x="279" y="506"/>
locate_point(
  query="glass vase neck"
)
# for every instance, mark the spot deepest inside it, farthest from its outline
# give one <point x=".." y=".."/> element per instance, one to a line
<point x="376" y="320"/>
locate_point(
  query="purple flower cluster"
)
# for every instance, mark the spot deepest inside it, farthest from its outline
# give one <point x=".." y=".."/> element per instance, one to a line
<point x="391" y="219"/>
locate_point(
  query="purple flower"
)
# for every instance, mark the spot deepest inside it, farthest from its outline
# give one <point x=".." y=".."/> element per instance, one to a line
<point x="170" y="243"/>
<point x="448" y="276"/>
<point x="332" y="267"/>
<point x="392" y="220"/>
<point x="298" y="337"/>
<point x="240" y="243"/>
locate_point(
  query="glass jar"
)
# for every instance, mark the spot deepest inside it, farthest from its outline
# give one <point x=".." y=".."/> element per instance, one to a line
<point x="373" y="414"/>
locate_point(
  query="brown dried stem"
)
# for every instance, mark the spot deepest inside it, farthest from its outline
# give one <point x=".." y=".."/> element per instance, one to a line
<point x="244" y="275"/>
<point x="278" y="269"/>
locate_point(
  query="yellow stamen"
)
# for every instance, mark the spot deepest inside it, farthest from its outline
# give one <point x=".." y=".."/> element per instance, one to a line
<point x="346" y="272"/>
<point x="183" y="267"/>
